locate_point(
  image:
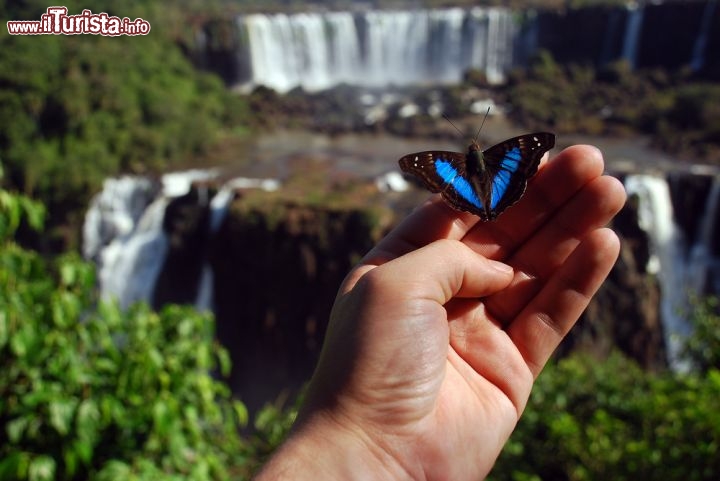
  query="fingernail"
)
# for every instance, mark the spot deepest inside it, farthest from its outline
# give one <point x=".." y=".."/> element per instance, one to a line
<point x="501" y="266"/>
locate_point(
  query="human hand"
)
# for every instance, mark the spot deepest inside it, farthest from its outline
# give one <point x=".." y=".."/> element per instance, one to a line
<point x="433" y="347"/>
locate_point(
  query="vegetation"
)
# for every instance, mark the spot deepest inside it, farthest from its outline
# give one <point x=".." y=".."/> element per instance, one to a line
<point x="76" y="109"/>
<point x="703" y="346"/>
<point x="590" y="420"/>
<point x="680" y="113"/>
<point x="88" y="391"/>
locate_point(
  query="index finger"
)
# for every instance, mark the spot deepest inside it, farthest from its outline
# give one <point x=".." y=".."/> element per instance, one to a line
<point x="548" y="191"/>
<point x="554" y="184"/>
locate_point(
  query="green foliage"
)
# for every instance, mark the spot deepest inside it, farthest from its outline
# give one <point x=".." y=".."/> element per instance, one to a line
<point x="272" y="425"/>
<point x="703" y="346"/>
<point x="679" y="113"/>
<point x="76" y="109"/>
<point x="590" y="420"/>
<point x="90" y="391"/>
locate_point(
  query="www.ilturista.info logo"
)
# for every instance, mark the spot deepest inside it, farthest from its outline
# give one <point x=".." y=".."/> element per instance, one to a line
<point x="57" y="22"/>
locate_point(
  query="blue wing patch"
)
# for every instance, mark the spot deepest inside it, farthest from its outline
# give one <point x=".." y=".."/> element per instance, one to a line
<point x="450" y="176"/>
<point x="508" y="166"/>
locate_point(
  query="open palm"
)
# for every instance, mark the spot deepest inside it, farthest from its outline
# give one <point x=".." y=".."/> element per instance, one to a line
<point x="434" y="344"/>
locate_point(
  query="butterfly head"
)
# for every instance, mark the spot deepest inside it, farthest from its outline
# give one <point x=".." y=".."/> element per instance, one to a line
<point x="473" y="147"/>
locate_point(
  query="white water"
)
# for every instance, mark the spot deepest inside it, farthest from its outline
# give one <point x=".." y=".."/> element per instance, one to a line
<point x="114" y="212"/>
<point x="123" y="232"/>
<point x="703" y="266"/>
<point x="130" y="265"/>
<point x="633" y="29"/>
<point x="682" y="271"/>
<point x="376" y="48"/>
<point x="699" y="49"/>
<point x="667" y="260"/>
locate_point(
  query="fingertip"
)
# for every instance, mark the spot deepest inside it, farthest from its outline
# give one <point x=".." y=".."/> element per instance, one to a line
<point x="501" y="266"/>
<point x="616" y="189"/>
<point x="587" y="152"/>
<point x="606" y="242"/>
<point x="586" y="160"/>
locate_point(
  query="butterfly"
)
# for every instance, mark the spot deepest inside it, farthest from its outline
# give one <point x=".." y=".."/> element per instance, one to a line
<point x="484" y="183"/>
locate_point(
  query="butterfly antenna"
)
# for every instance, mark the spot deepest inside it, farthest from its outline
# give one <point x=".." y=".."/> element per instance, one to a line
<point x="454" y="126"/>
<point x="483" y="123"/>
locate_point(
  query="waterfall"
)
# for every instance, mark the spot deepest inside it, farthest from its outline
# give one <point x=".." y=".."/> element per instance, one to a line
<point x="697" y="61"/>
<point x="123" y="233"/>
<point x="376" y="48"/>
<point x="667" y="260"/>
<point x="704" y="265"/>
<point x="114" y="212"/>
<point x="129" y="266"/>
<point x="633" y="28"/>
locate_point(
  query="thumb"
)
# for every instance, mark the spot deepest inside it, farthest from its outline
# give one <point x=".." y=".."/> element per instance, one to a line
<point x="438" y="272"/>
<point x="394" y="315"/>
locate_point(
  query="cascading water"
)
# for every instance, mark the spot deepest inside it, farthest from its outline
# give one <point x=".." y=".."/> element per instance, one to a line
<point x="376" y="48"/>
<point x="683" y="270"/>
<point x="703" y="264"/>
<point x="123" y="233"/>
<point x="699" y="49"/>
<point x="633" y="29"/>
<point x="667" y="261"/>
<point x="115" y="212"/>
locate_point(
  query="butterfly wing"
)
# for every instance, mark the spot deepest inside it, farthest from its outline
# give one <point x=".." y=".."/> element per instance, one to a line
<point x="511" y="163"/>
<point x="445" y="172"/>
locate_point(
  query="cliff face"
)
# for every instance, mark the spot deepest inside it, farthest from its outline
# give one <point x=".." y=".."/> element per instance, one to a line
<point x="276" y="272"/>
<point x="625" y="312"/>
<point x="654" y="35"/>
<point x="274" y="264"/>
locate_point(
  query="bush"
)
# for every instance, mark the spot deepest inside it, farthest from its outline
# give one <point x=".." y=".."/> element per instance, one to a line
<point x="703" y="347"/>
<point x="90" y="391"/>
<point x="679" y="112"/>
<point x="75" y="109"/>
<point x="590" y="420"/>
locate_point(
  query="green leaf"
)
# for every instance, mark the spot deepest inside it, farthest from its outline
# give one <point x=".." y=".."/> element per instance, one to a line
<point x="16" y="428"/>
<point x="87" y="422"/>
<point x="83" y="450"/>
<point x="42" y="468"/>
<point x="4" y="329"/>
<point x="21" y="342"/>
<point x="241" y="413"/>
<point x="61" y="415"/>
<point x="34" y="213"/>
<point x="224" y="360"/>
<point x="15" y="466"/>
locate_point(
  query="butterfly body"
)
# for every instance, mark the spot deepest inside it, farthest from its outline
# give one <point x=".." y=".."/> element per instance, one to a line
<point x="483" y="183"/>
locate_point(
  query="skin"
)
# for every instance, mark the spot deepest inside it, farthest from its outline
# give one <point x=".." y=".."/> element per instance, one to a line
<point x="437" y="336"/>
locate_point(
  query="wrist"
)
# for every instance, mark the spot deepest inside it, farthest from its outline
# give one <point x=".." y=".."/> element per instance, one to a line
<point x="324" y="448"/>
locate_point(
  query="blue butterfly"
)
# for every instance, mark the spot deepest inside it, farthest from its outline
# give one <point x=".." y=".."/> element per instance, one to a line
<point x="483" y="183"/>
